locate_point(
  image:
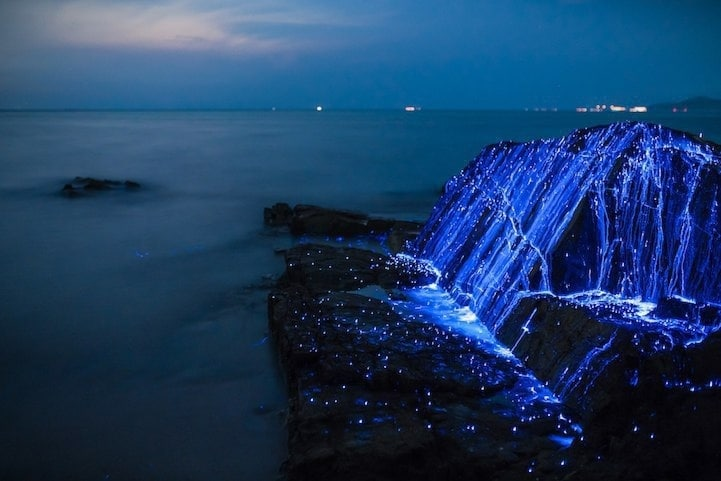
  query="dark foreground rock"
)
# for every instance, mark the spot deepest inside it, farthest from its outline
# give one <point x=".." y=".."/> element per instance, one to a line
<point x="647" y="393"/>
<point x="82" y="186"/>
<point x="594" y="257"/>
<point x="377" y="393"/>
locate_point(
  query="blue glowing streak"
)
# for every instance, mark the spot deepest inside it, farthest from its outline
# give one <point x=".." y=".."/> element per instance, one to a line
<point x="495" y="231"/>
<point x="529" y="397"/>
<point x="639" y="203"/>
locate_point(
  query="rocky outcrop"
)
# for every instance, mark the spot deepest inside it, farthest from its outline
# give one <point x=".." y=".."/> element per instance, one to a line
<point x="592" y="260"/>
<point x="631" y="209"/>
<point x="320" y="221"/>
<point x="322" y="267"/>
<point x="378" y="393"/>
<point x="83" y="186"/>
<point x="646" y="394"/>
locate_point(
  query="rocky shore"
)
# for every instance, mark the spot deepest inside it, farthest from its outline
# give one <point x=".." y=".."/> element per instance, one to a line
<point x="381" y="389"/>
<point x="377" y="393"/>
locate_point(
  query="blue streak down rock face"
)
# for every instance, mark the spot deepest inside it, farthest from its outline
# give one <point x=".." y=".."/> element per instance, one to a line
<point x="630" y="209"/>
<point x="596" y="260"/>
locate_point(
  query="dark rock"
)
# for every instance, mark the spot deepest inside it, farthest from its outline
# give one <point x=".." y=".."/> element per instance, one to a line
<point x="639" y="390"/>
<point x="81" y="186"/>
<point x="562" y="247"/>
<point x="676" y="308"/>
<point x="710" y="315"/>
<point x="324" y="267"/>
<point x="402" y="234"/>
<point x="367" y="378"/>
<point x="578" y="254"/>
<point x="310" y="219"/>
<point x="69" y="190"/>
<point x="319" y="221"/>
<point x="376" y="394"/>
<point x="279" y="214"/>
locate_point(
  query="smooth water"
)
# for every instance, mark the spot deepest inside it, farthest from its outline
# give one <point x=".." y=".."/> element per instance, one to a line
<point x="134" y="338"/>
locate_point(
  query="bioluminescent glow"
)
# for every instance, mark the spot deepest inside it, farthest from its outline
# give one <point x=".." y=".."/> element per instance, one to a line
<point x="526" y="398"/>
<point x="623" y="220"/>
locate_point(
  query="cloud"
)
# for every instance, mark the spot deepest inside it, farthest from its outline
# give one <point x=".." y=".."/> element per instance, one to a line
<point x="248" y="27"/>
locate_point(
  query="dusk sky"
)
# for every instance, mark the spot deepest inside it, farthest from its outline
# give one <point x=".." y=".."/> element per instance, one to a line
<point x="356" y="54"/>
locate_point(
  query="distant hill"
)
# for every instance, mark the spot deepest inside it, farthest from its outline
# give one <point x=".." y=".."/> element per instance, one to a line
<point x="694" y="104"/>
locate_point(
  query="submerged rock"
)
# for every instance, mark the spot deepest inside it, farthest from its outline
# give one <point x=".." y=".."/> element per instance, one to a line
<point x="81" y="186"/>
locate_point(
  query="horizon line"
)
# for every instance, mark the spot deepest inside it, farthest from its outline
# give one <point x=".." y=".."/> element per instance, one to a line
<point x="297" y="109"/>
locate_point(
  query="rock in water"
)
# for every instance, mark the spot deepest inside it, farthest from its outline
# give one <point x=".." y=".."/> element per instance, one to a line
<point x="81" y="186"/>
<point x="631" y="209"/>
<point x="320" y="221"/>
<point x="379" y="391"/>
<point x="592" y="258"/>
<point x="595" y="258"/>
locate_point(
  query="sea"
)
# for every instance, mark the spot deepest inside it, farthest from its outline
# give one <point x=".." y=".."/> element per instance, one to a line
<point x="133" y="327"/>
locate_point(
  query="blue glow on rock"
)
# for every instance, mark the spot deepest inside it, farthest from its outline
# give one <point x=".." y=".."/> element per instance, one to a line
<point x="527" y="399"/>
<point x="652" y="195"/>
<point x="622" y="219"/>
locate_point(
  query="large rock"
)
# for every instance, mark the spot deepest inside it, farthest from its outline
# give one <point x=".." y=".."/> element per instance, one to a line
<point x="647" y="395"/>
<point x="377" y="392"/>
<point x="631" y="209"/>
<point x="593" y="260"/>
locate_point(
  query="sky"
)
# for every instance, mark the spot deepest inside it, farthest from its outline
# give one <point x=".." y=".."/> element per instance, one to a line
<point x="237" y="54"/>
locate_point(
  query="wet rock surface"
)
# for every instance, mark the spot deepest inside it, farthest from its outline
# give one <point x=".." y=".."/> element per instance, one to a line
<point x="587" y="265"/>
<point x="647" y="394"/>
<point x="379" y="393"/>
<point x="322" y="267"/>
<point x="593" y="257"/>
<point x="84" y="186"/>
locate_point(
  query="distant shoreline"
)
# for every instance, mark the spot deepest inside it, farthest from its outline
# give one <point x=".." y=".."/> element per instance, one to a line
<point x="651" y="110"/>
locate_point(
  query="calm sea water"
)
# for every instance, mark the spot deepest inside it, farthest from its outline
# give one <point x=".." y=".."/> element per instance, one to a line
<point x="134" y="338"/>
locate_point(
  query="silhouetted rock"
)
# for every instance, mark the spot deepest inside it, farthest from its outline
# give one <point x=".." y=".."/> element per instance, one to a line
<point x="319" y="221"/>
<point x="280" y="214"/>
<point x="309" y="219"/>
<point x="81" y="186"/>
